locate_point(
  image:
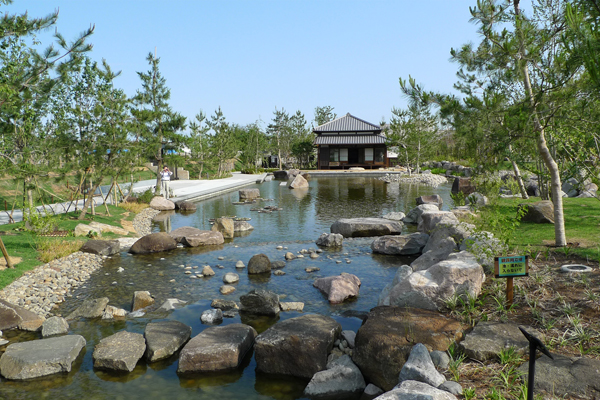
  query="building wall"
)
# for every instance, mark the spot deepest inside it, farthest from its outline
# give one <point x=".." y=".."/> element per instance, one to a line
<point x="346" y="156"/>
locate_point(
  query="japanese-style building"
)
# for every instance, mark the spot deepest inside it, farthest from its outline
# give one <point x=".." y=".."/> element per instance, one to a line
<point x="350" y="142"/>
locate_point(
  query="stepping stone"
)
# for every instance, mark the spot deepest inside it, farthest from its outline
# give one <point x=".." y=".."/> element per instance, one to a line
<point x="164" y="338"/>
<point x="217" y="348"/>
<point x="119" y="352"/>
<point x="43" y="357"/>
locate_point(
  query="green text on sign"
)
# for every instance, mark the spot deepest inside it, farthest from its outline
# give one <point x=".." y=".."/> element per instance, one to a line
<point x="511" y="266"/>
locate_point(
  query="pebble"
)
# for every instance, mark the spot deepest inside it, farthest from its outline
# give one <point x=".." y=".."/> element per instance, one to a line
<point x="121" y="269"/>
<point x="279" y="247"/>
<point x="279" y="272"/>
<point x="220" y="258"/>
<point x="338" y="261"/>
<point x="312" y="269"/>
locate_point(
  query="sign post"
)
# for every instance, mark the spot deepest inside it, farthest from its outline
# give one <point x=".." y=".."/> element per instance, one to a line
<point x="510" y="267"/>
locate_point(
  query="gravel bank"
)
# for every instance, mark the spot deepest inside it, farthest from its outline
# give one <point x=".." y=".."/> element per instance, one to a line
<point x="41" y="289"/>
<point x="426" y="179"/>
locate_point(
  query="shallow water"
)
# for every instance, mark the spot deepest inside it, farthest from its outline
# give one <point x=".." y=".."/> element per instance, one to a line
<point x="304" y="216"/>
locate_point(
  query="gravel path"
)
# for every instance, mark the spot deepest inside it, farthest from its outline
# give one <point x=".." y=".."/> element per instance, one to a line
<point x="41" y="289"/>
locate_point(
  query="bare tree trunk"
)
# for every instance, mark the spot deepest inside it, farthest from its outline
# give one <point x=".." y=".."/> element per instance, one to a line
<point x="522" y="188"/>
<point x="6" y="256"/>
<point x="89" y="199"/>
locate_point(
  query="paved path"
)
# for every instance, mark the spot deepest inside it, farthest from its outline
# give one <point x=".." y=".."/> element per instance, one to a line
<point x="182" y="190"/>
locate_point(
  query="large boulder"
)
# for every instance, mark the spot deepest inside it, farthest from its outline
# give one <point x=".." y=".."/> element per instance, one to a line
<point x="541" y="212"/>
<point x="488" y="339"/>
<point x="260" y="302"/>
<point x="194" y="237"/>
<point x="185" y="206"/>
<point x="43" y="357"/>
<point x="402" y="273"/>
<point x="299" y="182"/>
<point x="217" y="348"/>
<point x="401" y="244"/>
<point x="86" y="230"/>
<point x="395" y="216"/>
<point x="164" y="338"/>
<point x="330" y="240"/>
<point x="341" y="379"/>
<point x="101" y="247"/>
<point x="435" y="252"/>
<point x="161" y="204"/>
<point x="364" y="227"/>
<point x="153" y="243"/>
<point x="384" y="341"/>
<point x="569" y="377"/>
<point x="259" y="264"/>
<point x="430" y="199"/>
<point x="225" y="226"/>
<point x="338" y="288"/>
<point x="414" y="215"/>
<point x="12" y="316"/>
<point x="119" y="352"/>
<point x="428" y="289"/>
<point x="431" y="219"/>
<point x="297" y="346"/>
<point x="90" y="308"/>
<point x="249" y="194"/>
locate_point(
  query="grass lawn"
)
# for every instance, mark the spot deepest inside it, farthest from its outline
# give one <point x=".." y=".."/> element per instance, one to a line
<point x="582" y="226"/>
<point x="35" y="250"/>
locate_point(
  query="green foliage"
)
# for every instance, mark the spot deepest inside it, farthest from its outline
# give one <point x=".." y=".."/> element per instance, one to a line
<point x="458" y="199"/>
<point x="438" y="171"/>
<point x="146" y="197"/>
<point x="324" y="115"/>
<point x="39" y="222"/>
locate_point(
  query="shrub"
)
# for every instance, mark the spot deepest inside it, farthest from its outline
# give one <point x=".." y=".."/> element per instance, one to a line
<point x="51" y="249"/>
<point x="134" y="207"/>
<point x="39" y="222"/>
<point x="438" y="171"/>
<point x="146" y="197"/>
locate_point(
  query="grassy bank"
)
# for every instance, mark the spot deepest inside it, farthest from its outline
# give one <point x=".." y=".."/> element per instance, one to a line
<point x="35" y="249"/>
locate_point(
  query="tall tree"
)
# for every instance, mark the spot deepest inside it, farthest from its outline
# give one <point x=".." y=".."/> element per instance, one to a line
<point x="158" y="126"/>
<point x="199" y="142"/>
<point x="279" y="132"/>
<point x="324" y="115"/>
<point x="222" y="142"/>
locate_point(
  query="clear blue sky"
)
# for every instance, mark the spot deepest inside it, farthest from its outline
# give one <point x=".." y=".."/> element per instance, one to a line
<point x="252" y="56"/>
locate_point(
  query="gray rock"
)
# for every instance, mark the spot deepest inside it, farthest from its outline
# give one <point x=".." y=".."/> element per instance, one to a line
<point x="403" y="272"/>
<point x="435" y="199"/>
<point x="161" y="204"/>
<point x="364" y="227"/>
<point x="240" y="264"/>
<point x="119" y="352"/>
<point x="338" y="288"/>
<point x="419" y="367"/>
<point x="401" y="244"/>
<point x="575" y="377"/>
<point x="101" y="247"/>
<point x="297" y="346"/>
<point x="13" y="316"/>
<point x="259" y="264"/>
<point x="171" y="304"/>
<point x="438" y="251"/>
<point x="111" y="312"/>
<point x="55" y="326"/>
<point x="185" y="206"/>
<point x="277" y="264"/>
<point x="488" y="339"/>
<point x="299" y="182"/>
<point x="249" y="194"/>
<point x="225" y="226"/>
<point x="431" y="219"/>
<point x="212" y="317"/>
<point x="414" y="215"/>
<point x="452" y="387"/>
<point x="341" y="378"/>
<point x="330" y="240"/>
<point x="224" y="305"/>
<point x="349" y="337"/>
<point x="141" y="299"/>
<point x="242" y="226"/>
<point x="289" y="256"/>
<point x="372" y="390"/>
<point x="217" y="348"/>
<point x="164" y="338"/>
<point x="194" y="237"/>
<point x="541" y="212"/>
<point x="43" y="357"/>
<point x="207" y="271"/>
<point x="440" y="359"/>
<point x="291" y="306"/>
<point x="90" y="309"/>
<point x="394" y="216"/>
<point x="476" y="199"/>
<point x="413" y="390"/>
<point x="260" y="302"/>
<point x="230" y="277"/>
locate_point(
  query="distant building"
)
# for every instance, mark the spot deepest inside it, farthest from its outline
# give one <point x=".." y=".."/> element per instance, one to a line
<point x="350" y="142"/>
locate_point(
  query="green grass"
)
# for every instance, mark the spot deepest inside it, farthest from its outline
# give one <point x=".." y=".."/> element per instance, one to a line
<point x="582" y="224"/>
<point x="25" y="244"/>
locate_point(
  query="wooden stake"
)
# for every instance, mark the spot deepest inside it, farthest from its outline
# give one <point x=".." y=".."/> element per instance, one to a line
<point x="6" y="257"/>
<point x="102" y="195"/>
<point x="509" y="292"/>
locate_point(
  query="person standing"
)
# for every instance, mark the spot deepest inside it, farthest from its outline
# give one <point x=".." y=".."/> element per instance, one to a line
<point x="165" y="178"/>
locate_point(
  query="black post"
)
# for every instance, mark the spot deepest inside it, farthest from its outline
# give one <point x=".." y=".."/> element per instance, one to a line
<point x="534" y="345"/>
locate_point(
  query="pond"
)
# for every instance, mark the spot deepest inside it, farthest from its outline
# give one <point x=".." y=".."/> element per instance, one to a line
<point x="304" y="215"/>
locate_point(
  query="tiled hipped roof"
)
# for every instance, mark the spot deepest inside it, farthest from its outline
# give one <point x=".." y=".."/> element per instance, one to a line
<point x="347" y="123"/>
<point x="350" y="139"/>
